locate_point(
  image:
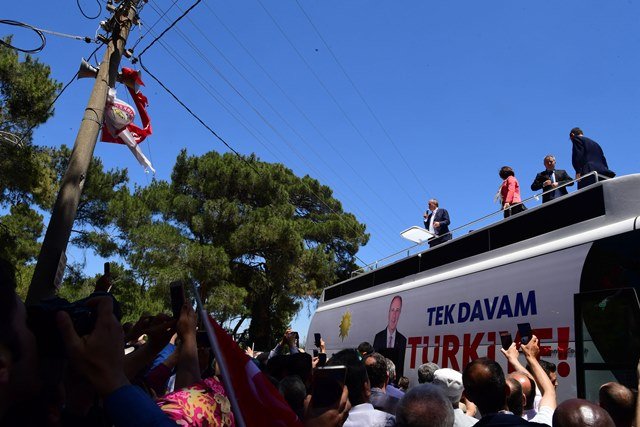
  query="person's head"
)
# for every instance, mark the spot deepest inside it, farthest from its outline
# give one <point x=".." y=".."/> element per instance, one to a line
<point x="485" y="385"/>
<point x="528" y="388"/>
<point x="515" y="398"/>
<point x="433" y="204"/>
<point x="549" y="368"/>
<point x="395" y="308"/>
<point x="356" y="380"/>
<point x="294" y="392"/>
<point x="550" y="162"/>
<point x="424" y="405"/>
<point x="505" y="172"/>
<point x="619" y="402"/>
<point x="391" y="369"/>
<point x="426" y="371"/>
<point x="403" y="383"/>
<point x="575" y="132"/>
<point x="18" y="349"/>
<point x="377" y="370"/>
<point x="580" y="413"/>
<point x="450" y="381"/>
<point x="365" y="348"/>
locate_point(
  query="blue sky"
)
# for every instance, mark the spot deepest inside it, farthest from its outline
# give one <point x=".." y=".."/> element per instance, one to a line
<point x="426" y="98"/>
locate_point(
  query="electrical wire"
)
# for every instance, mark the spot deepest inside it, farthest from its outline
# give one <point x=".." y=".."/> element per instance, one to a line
<point x="206" y="126"/>
<point x="162" y="15"/>
<point x="284" y="120"/>
<point x="85" y="15"/>
<point x="40" y="32"/>
<point x="196" y="116"/>
<point x="375" y="116"/>
<point x="335" y="101"/>
<point x="306" y="117"/>
<point x="43" y="40"/>
<point x="169" y="27"/>
<point x="28" y="131"/>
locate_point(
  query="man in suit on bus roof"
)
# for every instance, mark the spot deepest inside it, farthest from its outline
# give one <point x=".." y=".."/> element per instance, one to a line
<point x="550" y="179"/>
<point x="436" y="221"/>
<point x="389" y="341"/>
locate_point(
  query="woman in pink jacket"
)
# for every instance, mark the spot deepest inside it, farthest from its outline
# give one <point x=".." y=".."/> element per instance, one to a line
<point x="510" y="193"/>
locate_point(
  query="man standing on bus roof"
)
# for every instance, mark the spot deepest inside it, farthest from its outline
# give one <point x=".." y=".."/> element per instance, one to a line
<point x="550" y="179"/>
<point x="587" y="156"/>
<point x="437" y="223"/>
<point x="389" y="341"/>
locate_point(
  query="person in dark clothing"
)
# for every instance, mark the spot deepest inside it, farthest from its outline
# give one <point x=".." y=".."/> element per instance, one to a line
<point x="551" y="180"/>
<point x="485" y="385"/>
<point x="436" y="221"/>
<point x="587" y="156"/>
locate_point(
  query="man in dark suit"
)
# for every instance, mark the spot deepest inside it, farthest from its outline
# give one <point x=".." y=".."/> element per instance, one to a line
<point x="390" y="342"/>
<point x="587" y="156"/>
<point x="550" y="179"/>
<point x="436" y="221"/>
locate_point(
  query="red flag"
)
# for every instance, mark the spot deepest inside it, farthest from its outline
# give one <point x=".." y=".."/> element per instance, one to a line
<point x="259" y="401"/>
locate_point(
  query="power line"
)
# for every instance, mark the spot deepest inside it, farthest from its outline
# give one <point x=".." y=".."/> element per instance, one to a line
<point x="162" y="15"/>
<point x="318" y="198"/>
<point x="275" y="110"/>
<point x="375" y="116"/>
<point x="306" y="117"/>
<point x="28" y="131"/>
<point x="194" y="115"/>
<point x="344" y="113"/>
<point x="170" y="27"/>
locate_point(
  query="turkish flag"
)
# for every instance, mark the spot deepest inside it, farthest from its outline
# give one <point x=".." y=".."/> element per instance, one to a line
<point x="258" y="400"/>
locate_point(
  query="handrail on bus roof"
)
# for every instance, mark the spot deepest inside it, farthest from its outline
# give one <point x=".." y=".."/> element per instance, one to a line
<point x="374" y="265"/>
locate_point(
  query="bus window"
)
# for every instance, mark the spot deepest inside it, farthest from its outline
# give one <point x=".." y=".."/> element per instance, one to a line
<point x="607" y="339"/>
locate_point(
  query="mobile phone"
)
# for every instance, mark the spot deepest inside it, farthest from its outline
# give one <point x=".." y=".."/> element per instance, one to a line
<point x="525" y="332"/>
<point x="107" y="268"/>
<point x="326" y="385"/>
<point x="506" y="339"/>
<point x="295" y="334"/>
<point x="322" y="359"/>
<point x="316" y="339"/>
<point x="177" y="298"/>
<point x="315" y="352"/>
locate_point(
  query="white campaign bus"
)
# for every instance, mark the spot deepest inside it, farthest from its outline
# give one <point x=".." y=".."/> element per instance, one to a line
<point x="569" y="267"/>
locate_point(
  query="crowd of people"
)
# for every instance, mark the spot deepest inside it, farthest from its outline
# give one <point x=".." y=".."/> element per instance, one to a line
<point x="162" y="371"/>
<point x="65" y="364"/>
<point x="587" y="158"/>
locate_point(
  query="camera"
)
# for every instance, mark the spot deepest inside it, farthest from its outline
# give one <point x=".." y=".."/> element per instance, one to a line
<point x="42" y="320"/>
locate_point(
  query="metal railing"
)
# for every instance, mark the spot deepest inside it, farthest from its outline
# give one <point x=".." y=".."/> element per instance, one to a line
<point x="483" y="221"/>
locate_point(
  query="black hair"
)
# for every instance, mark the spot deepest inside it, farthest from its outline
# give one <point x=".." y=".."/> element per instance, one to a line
<point x="365" y="348"/>
<point x="576" y="131"/>
<point x="547" y="367"/>
<point x="356" y="374"/>
<point x="505" y="172"/>
<point x="376" y="371"/>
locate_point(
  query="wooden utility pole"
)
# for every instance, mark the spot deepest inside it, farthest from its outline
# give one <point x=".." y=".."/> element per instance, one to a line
<point x="52" y="254"/>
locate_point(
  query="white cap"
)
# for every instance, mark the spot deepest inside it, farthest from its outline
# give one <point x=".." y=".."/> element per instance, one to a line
<point x="450" y="381"/>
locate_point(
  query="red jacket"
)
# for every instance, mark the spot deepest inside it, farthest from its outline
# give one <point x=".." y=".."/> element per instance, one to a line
<point x="510" y="191"/>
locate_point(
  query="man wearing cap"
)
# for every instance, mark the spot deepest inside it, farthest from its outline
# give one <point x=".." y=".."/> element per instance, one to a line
<point x="450" y="382"/>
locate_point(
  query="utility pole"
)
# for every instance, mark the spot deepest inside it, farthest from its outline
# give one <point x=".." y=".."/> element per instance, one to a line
<point x="52" y="254"/>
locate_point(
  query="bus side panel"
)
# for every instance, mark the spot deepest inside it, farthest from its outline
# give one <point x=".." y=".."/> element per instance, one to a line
<point x="457" y="320"/>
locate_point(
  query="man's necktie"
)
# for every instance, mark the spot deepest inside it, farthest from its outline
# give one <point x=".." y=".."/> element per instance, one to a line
<point x="390" y="338"/>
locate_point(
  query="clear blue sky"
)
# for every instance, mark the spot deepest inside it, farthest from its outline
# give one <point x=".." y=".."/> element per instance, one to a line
<point x="458" y="89"/>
